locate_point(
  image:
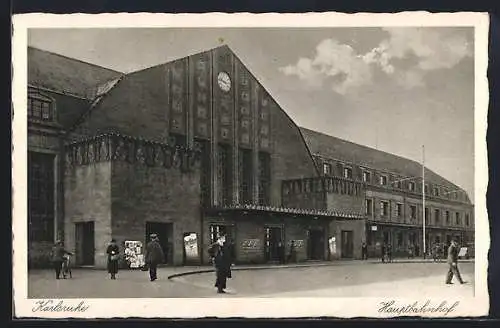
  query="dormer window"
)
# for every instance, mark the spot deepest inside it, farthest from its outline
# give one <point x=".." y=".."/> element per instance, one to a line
<point x="366" y="177"/>
<point x="436" y="191"/>
<point x="411" y="186"/>
<point x="40" y="107"/>
<point x="327" y="169"/>
<point x="383" y="180"/>
<point x="347" y="172"/>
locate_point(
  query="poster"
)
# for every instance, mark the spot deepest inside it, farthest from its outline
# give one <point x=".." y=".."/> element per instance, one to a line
<point x="134" y="254"/>
<point x="191" y="246"/>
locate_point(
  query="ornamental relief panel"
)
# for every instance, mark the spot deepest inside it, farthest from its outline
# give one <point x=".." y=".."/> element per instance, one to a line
<point x="131" y="150"/>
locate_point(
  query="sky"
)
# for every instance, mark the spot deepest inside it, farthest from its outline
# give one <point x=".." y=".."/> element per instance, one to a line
<point x="393" y="89"/>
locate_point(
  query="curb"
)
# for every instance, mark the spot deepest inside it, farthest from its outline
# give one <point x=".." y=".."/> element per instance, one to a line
<point x="256" y="268"/>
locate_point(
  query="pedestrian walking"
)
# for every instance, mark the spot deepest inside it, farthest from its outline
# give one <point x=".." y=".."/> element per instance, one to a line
<point x="154" y="256"/>
<point x="113" y="252"/>
<point x="453" y="264"/>
<point x="364" y="251"/>
<point x="222" y="258"/>
<point x="58" y="254"/>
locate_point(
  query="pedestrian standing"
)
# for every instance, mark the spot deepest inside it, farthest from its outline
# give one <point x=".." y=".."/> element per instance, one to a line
<point x="154" y="256"/>
<point x="453" y="264"/>
<point x="113" y="252"/>
<point x="292" y="256"/>
<point x="281" y="252"/>
<point x="58" y="253"/>
<point x="384" y="252"/>
<point x="222" y="259"/>
<point x="389" y="253"/>
<point x="364" y="251"/>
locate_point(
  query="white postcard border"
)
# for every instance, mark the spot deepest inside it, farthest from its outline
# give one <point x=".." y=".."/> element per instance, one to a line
<point x="242" y="307"/>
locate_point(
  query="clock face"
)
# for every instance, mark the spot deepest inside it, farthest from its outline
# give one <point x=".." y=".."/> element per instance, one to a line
<point x="224" y="81"/>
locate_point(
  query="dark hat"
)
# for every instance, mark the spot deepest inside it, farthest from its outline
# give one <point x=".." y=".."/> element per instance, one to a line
<point x="113" y="240"/>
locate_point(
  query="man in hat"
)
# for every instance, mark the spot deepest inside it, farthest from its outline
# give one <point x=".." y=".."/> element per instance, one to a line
<point x="222" y="257"/>
<point x="58" y="253"/>
<point x="154" y="256"/>
<point x="453" y="263"/>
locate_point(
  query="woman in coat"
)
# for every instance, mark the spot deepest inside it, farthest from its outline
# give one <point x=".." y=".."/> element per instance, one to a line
<point x="113" y="252"/>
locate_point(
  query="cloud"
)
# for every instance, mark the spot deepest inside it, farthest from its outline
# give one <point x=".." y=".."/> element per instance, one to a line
<point x="341" y="67"/>
<point x="333" y="63"/>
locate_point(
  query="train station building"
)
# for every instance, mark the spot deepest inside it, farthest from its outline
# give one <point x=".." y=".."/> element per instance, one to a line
<point x="196" y="148"/>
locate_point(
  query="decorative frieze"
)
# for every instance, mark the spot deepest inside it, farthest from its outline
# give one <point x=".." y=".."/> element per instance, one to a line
<point x="115" y="147"/>
<point x="323" y="184"/>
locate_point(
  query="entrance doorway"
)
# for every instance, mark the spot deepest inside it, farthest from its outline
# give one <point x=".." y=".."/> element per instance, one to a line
<point x="84" y="243"/>
<point x="165" y="236"/>
<point x="273" y="239"/>
<point x="347" y="241"/>
<point x="315" y="245"/>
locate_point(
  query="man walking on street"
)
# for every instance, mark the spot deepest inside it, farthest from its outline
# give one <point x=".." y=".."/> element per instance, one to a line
<point x="453" y="264"/>
<point x="154" y="256"/>
<point x="222" y="258"/>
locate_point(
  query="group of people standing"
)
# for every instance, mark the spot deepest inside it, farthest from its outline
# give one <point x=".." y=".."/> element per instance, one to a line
<point x="154" y="256"/>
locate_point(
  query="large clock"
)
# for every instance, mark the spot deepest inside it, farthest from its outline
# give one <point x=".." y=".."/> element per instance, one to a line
<point x="224" y="81"/>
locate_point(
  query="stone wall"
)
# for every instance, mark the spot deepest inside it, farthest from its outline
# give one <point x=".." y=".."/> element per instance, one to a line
<point x="87" y="197"/>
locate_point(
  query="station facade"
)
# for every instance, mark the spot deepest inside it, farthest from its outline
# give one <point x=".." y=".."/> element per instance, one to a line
<point x="190" y="150"/>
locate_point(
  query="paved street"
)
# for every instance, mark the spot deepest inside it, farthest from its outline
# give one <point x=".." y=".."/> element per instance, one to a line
<point x="347" y="279"/>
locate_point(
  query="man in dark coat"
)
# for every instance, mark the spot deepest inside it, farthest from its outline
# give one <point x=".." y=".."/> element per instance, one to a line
<point x="222" y="257"/>
<point x="364" y="251"/>
<point x="453" y="263"/>
<point x="58" y="253"/>
<point x="154" y="256"/>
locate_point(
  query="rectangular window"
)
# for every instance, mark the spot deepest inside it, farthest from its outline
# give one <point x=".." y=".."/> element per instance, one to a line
<point x="347" y="172"/>
<point x="411" y="186"/>
<point x="447" y="217"/>
<point x="39" y="109"/>
<point x="426" y="215"/>
<point x="400" y="239"/>
<point x="383" y="180"/>
<point x="399" y="210"/>
<point x="457" y="218"/>
<point x="245" y="176"/>
<point x="216" y="231"/>
<point x="436" y="191"/>
<point x="264" y="170"/>
<point x="384" y="208"/>
<point x="413" y="212"/>
<point x="205" y="181"/>
<point x="41" y="197"/>
<point x="426" y="189"/>
<point x="224" y="174"/>
<point x="367" y="177"/>
<point x="467" y="219"/>
<point x="368" y="206"/>
<point x="398" y="183"/>
<point x="437" y="217"/>
<point x="327" y="169"/>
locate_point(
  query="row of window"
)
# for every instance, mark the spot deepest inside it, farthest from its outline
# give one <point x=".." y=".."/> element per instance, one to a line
<point x="384" y="211"/>
<point x="399" y="183"/>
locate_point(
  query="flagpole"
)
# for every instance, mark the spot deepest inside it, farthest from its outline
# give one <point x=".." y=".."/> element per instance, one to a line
<point x="423" y="199"/>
